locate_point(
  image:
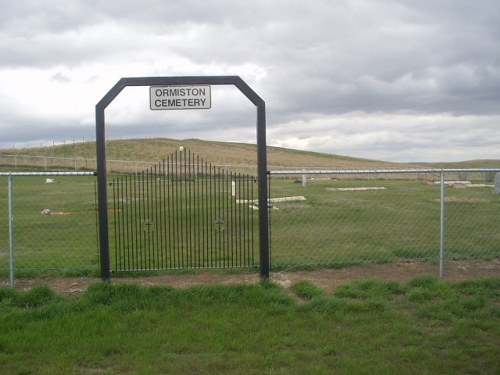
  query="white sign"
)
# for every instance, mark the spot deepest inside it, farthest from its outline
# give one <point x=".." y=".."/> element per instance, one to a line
<point x="179" y="97"/>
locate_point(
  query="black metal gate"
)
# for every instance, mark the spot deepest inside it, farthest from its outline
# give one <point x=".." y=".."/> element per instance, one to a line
<point x="183" y="213"/>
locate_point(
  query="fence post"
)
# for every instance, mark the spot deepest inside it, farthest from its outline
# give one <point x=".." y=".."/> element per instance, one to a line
<point x="11" y="232"/>
<point x="442" y="224"/>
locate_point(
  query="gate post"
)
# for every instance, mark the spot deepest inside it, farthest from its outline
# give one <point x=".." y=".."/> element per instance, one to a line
<point x="171" y="81"/>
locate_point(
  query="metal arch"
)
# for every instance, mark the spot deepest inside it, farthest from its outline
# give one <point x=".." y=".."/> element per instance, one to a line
<point x="185" y="80"/>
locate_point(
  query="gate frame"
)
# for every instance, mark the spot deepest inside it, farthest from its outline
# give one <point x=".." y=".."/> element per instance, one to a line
<point x="102" y="194"/>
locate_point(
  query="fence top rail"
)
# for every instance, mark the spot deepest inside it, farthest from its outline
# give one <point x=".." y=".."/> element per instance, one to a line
<point x="374" y="171"/>
<point x="48" y="173"/>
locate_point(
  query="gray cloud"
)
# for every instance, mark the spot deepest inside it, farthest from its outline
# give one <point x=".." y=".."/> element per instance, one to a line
<point x="388" y="78"/>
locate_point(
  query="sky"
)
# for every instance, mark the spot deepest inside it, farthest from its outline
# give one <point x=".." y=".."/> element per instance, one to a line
<point x="393" y="80"/>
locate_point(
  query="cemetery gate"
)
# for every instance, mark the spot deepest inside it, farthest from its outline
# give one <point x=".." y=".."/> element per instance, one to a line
<point x="178" y="84"/>
<point x="183" y="213"/>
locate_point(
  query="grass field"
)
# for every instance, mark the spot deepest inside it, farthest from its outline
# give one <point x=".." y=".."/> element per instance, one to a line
<point x="402" y="221"/>
<point x="366" y="327"/>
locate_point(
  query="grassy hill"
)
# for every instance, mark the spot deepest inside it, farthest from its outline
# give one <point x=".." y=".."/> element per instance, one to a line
<point x="234" y="156"/>
<point x="219" y="153"/>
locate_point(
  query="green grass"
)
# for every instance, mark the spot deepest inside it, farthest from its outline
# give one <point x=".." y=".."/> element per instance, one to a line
<point x="424" y="326"/>
<point x="336" y="228"/>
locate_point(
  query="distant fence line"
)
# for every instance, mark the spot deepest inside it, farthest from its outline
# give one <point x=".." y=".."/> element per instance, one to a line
<point x="82" y="163"/>
<point x="459" y="174"/>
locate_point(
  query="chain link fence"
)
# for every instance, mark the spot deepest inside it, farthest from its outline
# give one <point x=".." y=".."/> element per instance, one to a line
<point x="318" y="219"/>
<point x="339" y="218"/>
<point x="48" y="225"/>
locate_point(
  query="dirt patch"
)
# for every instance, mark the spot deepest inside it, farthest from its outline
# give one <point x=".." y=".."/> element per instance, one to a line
<point x="327" y="279"/>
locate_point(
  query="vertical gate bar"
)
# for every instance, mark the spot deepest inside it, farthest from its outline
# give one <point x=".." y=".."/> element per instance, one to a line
<point x="269" y="222"/>
<point x="222" y="234"/>
<point x="150" y="217"/>
<point x="228" y="217"/>
<point x="164" y="214"/>
<point x="243" y="213"/>
<point x="230" y="211"/>
<point x="191" y="252"/>
<point x="184" y="214"/>
<point x="212" y="214"/>
<point x="147" y="236"/>
<point x="211" y="218"/>
<point x="174" y="209"/>
<point x="251" y="223"/>
<point x="176" y="202"/>
<point x="441" y="228"/>
<point x="217" y="196"/>
<point x="118" y="223"/>
<point x="139" y="218"/>
<point x="243" y="217"/>
<point x="222" y="203"/>
<point x="222" y="195"/>
<point x="173" y="217"/>
<point x="225" y="257"/>
<point x="206" y="214"/>
<point x="119" y="217"/>
<point x="133" y="221"/>
<point x="183" y="231"/>
<point x="136" y="217"/>
<point x="11" y="232"/>
<point x="235" y="219"/>
<point x="133" y="217"/>
<point x="229" y="207"/>
<point x="115" y="223"/>
<point x="163" y="225"/>
<point x="126" y="215"/>
<point x="157" y="222"/>
<point x="142" y="212"/>
<point x="187" y="189"/>
<point x="203" y="210"/>
<point x="241" y="197"/>
<point x="247" y="225"/>
<point x="198" y="213"/>
<point x="169" y="212"/>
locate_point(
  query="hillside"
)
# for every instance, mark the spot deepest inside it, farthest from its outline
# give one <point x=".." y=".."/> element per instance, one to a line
<point x="234" y="156"/>
<point x="218" y="153"/>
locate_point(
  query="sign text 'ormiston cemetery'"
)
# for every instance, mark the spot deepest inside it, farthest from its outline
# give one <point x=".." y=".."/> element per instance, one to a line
<point x="179" y="97"/>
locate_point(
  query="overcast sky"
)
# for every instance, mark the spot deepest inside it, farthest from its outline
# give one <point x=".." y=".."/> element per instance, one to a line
<point x="395" y="80"/>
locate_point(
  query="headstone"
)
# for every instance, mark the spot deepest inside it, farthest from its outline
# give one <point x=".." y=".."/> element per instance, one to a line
<point x="497" y="183"/>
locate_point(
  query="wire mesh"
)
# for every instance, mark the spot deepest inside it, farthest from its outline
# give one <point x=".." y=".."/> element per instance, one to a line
<point x="54" y="221"/>
<point x="333" y="220"/>
<point x="320" y="221"/>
